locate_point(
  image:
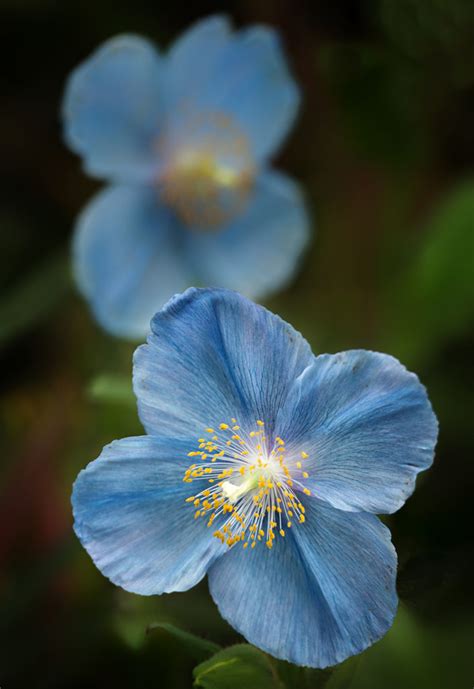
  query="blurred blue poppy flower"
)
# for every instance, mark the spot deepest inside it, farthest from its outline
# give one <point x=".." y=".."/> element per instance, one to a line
<point x="185" y="140"/>
<point x="263" y="467"/>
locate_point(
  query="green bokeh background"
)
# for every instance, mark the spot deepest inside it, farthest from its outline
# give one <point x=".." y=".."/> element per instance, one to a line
<point x="385" y="150"/>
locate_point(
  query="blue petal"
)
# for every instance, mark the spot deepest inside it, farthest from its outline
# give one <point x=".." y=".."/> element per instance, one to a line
<point x="368" y="426"/>
<point x="191" y="58"/>
<point x="131" y="517"/>
<point x="258" y="252"/>
<point x="128" y="258"/>
<point x="324" y="592"/>
<point x="214" y="355"/>
<point x="112" y="109"/>
<point x="247" y="80"/>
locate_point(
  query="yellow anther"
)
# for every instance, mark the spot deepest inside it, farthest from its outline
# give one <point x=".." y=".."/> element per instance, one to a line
<point x="190" y="499"/>
<point x="261" y="532"/>
<point x="306" y="491"/>
<point x="304" y="455"/>
<point x="223" y="426"/>
<point x="198" y="514"/>
<point x="236" y="428"/>
<point x="289" y="524"/>
<point x="302" y="518"/>
<point x="260" y="423"/>
<point x="246" y="544"/>
<point x="282" y="532"/>
<point x="210" y="430"/>
<point x="253" y="545"/>
<point x="305" y="474"/>
<point x="299" y="465"/>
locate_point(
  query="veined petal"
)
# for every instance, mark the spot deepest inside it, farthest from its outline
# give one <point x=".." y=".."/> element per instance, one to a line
<point x="131" y="517"/>
<point x="258" y="251"/>
<point x="129" y="258"/>
<point x="248" y="81"/>
<point x="324" y="592"/>
<point x="367" y="425"/>
<point x="112" y="109"/>
<point x="213" y="355"/>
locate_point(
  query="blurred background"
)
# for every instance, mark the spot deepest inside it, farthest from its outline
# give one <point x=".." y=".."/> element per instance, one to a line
<point x="385" y="150"/>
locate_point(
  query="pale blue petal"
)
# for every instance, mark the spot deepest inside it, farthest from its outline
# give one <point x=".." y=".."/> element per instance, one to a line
<point x="131" y="517"/>
<point x="129" y="258"/>
<point x="213" y="355"/>
<point x="324" y="592"/>
<point x="248" y="81"/>
<point x="258" y="252"/>
<point x="112" y="109"/>
<point x="368" y="426"/>
<point x="191" y="58"/>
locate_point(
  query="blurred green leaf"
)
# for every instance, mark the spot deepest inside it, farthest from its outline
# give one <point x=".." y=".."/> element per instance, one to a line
<point x="197" y="647"/>
<point x="34" y="297"/>
<point x="112" y="388"/>
<point x="433" y="300"/>
<point x="411" y="655"/>
<point x="237" y="667"/>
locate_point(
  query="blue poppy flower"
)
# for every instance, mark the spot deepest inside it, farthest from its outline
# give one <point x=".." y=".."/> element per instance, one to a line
<point x="263" y="466"/>
<point x="185" y="140"/>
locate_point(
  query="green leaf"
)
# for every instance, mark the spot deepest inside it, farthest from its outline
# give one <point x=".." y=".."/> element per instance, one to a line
<point x="433" y="300"/>
<point x="112" y="388"/>
<point x="196" y="647"/>
<point x="34" y="297"/>
<point x="238" y="667"/>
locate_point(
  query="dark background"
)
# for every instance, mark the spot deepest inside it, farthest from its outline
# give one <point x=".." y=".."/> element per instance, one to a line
<point x="385" y="150"/>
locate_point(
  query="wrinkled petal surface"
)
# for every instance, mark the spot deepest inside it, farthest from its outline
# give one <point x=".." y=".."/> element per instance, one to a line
<point x="131" y="517"/>
<point x="112" y="109"/>
<point x="324" y="592"/>
<point x="258" y="251"/>
<point x="129" y="258"/>
<point x="368" y="426"/>
<point x="213" y="355"/>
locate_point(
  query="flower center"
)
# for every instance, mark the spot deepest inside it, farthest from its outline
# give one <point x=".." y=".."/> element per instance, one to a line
<point x="208" y="173"/>
<point x="251" y="486"/>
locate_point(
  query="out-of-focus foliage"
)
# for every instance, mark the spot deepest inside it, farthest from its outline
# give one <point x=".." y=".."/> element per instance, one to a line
<point x="199" y="648"/>
<point x="235" y="667"/>
<point x="385" y="151"/>
<point x="432" y="301"/>
<point x="434" y="32"/>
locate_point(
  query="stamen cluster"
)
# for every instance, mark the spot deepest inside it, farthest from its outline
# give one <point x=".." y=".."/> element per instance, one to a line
<point x="251" y="493"/>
